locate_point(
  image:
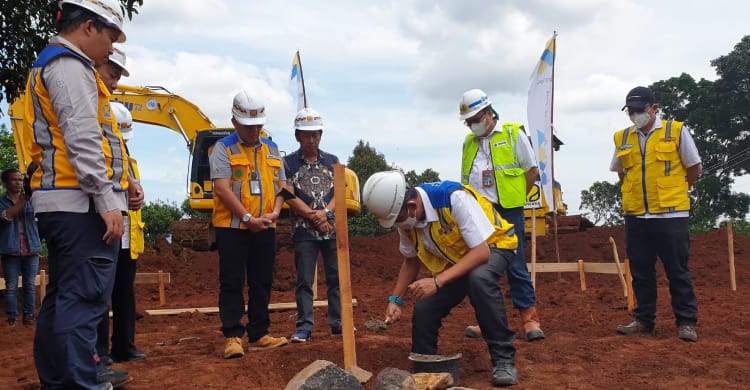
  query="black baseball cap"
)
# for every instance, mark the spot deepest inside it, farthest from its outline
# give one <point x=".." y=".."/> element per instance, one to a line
<point x="639" y="97"/>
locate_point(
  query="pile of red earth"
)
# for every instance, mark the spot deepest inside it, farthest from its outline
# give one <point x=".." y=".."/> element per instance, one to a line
<point x="581" y="349"/>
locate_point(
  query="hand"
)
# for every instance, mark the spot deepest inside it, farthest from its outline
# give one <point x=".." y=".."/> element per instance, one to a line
<point x="423" y="288"/>
<point x="272" y="216"/>
<point x="392" y="313"/>
<point x="259" y="224"/>
<point x="318" y="217"/>
<point x="325" y="227"/>
<point x="135" y="196"/>
<point x="115" y="226"/>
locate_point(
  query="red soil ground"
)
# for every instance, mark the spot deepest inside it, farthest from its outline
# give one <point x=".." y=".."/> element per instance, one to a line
<point x="581" y="350"/>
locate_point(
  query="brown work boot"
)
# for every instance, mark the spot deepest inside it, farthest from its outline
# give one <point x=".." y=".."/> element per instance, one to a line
<point x="233" y="348"/>
<point x="687" y="333"/>
<point x="473" y="332"/>
<point x="267" y="342"/>
<point x="531" y="325"/>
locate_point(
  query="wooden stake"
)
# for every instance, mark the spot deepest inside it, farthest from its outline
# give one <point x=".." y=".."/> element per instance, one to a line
<point x="42" y="285"/>
<point x="162" y="295"/>
<point x="730" y="246"/>
<point x="629" y="278"/>
<point x="533" y="247"/>
<point x="619" y="268"/>
<point x="315" y="281"/>
<point x="345" y="286"/>
<point x="582" y="274"/>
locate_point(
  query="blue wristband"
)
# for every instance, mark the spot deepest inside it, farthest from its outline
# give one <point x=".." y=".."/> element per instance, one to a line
<point x="396" y="300"/>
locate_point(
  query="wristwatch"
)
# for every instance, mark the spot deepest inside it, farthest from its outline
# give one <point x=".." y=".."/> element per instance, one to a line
<point x="330" y="214"/>
<point x="246" y="218"/>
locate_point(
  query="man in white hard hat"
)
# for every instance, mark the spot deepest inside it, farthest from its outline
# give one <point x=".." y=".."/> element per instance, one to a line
<point x="79" y="202"/>
<point x="309" y="172"/>
<point x="247" y="179"/>
<point x="123" y="292"/>
<point x="466" y="245"/>
<point x="499" y="162"/>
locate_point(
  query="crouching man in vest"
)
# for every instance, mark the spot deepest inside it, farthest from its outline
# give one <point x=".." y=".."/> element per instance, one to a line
<point x="657" y="162"/>
<point x="466" y="245"/>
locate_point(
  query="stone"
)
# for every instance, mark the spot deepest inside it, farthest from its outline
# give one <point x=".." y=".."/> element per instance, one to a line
<point x="433" y="381"/>
<point x="323" y="375"/>
<point x="394" y="379"/>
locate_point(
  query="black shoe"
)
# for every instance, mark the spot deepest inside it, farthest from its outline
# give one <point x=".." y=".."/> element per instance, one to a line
<point x="105" y="360"/>
<point x="687" y="333"/>
<point x="11" y="321"/>
<point x="29" y="320"/>
<point x="504" y="374"/>
<point x="134" y="356"/>
<point x="116" y="377"/>
<point x="635" y="327"/>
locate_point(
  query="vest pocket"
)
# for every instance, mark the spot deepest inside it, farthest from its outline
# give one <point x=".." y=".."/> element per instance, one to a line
<point x="626" y="157"/>
<point x="240" y="165"/>
<point x="631" y="201"/>
<point x="515" y="188"/>
<point x="672" y="191"/>
<point x="666" y="151"/>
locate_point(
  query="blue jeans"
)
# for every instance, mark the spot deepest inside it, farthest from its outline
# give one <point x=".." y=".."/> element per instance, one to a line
<point x="27" y="266"/>
<point x="81" y="276"/>
<point x="306" y="261"/>
<point x="486" y="296"/>
<point x="519" y="280"/>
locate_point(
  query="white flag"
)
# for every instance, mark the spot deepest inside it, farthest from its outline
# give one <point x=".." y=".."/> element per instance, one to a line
<point x="539" y="112"/>
<point x="297" y="78"/>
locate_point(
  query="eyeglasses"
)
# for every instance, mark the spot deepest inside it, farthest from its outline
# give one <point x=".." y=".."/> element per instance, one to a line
<point x="475" y="119"/>
<point x="633" y="110"/>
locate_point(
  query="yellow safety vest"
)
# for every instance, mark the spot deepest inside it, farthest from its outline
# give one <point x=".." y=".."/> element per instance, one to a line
<point x="137" y="226"/>
<point x="261" y="164"/>
<point x="447" y="236"/>
<point x="655" y="182"/>
<point x="48" y="151"/>
<point x="510" y="178"/>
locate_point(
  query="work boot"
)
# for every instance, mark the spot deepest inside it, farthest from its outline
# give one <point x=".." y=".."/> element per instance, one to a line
<point x="687" y="333"/>
<point x="531" y="324"/>
<point x="267" y="342"/>
<point x="233" y="348"/>
<point x="504" y="374"/>
<point x="635" y="327"/>
<point x="473" y="332"/>
<point x="116" y="377"/>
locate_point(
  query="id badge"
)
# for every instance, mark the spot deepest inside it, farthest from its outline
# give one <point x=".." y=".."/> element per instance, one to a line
<point x="488" y="178"/>
<point x="254" y="187"/>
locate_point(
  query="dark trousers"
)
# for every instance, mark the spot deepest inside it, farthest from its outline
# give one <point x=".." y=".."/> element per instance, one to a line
<point x="485" y="294"/>
<point x="244" y="255"/>
<point x="306" y="261"/>
<point x="123" y="312"/>
<point x="521" y="288"/>
<point x="81" y="276"/>
<point x="667" y="238"/>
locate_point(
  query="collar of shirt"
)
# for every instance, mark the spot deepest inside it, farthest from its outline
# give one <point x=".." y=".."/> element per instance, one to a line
<point x="58" y="40"/>
<point x="430" y="215"/>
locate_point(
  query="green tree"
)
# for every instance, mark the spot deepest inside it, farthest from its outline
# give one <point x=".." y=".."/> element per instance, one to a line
<point x="365" y="161"/>
<point x="26" y="28"/>
<point x="427" y="176"/>
<point x="603" y="200"/>
<point x="158" y="217"/>
<point x="8" y="156"/>
<point x="717" y="113"/>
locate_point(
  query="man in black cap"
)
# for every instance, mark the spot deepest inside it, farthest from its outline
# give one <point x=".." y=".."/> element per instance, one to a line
<point x="657" y="162"/>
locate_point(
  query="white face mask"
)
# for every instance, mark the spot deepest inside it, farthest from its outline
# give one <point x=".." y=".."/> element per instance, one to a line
<point x="479" y="129"/>
<point x="408" y="223"/>
<point x="640" y="119"/>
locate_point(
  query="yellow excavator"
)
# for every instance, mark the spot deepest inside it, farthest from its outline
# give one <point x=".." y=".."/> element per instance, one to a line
<point x="157" y="106"/>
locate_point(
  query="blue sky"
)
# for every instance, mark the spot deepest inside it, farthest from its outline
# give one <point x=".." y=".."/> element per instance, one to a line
<point x="392" y="72"/>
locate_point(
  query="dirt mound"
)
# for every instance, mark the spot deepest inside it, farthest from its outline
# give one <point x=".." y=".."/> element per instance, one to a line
<point x="581" y="351"/>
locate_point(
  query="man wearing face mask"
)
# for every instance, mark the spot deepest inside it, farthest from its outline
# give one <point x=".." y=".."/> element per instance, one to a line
<point x="465" y="244"/>
<point x="499" y="163"/>
<point x="657" y="162"/>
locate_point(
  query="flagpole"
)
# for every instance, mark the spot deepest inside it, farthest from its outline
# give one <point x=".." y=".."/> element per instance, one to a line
<point x="302" y="77"/>
<point x="552" y="150"/>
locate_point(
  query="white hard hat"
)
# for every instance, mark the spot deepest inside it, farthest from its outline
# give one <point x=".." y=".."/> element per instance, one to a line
<point x="383" y="194"/>
<point x="308" y="119"/>
<point x="124" y="119"/>
<point x="109" y="10"/>
<point x="118" y="58"/>
<point x="473" y="101"/>
<point x="248" y="111"/>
